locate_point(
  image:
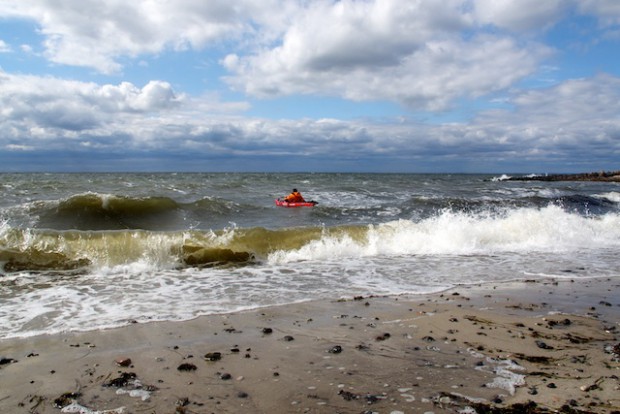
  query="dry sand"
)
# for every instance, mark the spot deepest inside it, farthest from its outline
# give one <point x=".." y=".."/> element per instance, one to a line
<point x="524" y="347"/>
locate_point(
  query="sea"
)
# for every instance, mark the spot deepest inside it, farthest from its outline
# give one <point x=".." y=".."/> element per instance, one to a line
<point x="96" y="250"/>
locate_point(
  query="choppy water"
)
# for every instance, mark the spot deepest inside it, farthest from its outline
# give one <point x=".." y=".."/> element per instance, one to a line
<point x="86" y="251"/>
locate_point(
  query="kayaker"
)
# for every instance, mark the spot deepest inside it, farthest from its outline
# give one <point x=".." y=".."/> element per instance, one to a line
<point x="294" y="197"/>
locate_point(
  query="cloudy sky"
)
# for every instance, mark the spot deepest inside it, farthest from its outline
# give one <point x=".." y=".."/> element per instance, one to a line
<point x="310" y="85"/>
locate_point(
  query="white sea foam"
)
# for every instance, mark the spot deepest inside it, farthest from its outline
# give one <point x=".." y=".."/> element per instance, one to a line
<point x="612" y="196"/>
<point x="504" y="369"/>
<point x="549" y="229"/>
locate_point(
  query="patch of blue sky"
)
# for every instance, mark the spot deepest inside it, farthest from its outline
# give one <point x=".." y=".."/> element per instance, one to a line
<point x="24" y="47"/>
<point x="584" y="48"/>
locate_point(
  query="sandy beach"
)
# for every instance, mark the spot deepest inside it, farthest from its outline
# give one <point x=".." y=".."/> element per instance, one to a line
<point x="524" y="347"/>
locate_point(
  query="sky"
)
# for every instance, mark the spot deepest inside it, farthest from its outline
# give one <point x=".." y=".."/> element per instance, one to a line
<point x="463" y="86"/>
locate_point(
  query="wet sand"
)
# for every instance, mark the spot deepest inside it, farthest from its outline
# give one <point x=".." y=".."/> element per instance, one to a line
<point x="526" y="347"/>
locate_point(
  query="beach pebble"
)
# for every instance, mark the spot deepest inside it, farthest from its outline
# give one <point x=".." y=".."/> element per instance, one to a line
<point x="124" y="379"/>
<point x="543" y="345"/>
<point x="213" y="356"/>
<point x="187" y="367"/>
<point x="267" y="331"/>
<point x="123" y="361"/>
<point x="335" y="349"/>
<point x="288" y="338"/>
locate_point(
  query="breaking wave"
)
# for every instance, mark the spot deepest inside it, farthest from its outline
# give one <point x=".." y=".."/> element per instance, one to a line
<point x="548" y="229"/>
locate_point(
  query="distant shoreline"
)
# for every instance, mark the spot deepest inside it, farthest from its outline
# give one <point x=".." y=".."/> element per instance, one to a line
<point x="605" y="176"/>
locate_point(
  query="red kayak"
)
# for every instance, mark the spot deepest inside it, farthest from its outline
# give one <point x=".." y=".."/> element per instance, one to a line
<point x="281" y="203"/>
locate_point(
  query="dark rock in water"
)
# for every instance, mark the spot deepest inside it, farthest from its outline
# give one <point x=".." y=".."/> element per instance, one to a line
<point x="34" y="260"/>
<point x="206" y="257"/>
<point x="267" y="331"/>
<point x="121" y="381"/>
<point x="613" y="176"/>
<point x="335" y="349"/>
<point x="66" y="399"/>
<point x="242" y="394"/>
<point x="213" y="356"/>
<point x="225" y="376"/>
<point x="187" y="367"/>
<point x="288" y="338"/>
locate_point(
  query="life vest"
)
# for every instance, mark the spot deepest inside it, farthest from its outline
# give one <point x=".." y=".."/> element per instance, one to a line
<point x="295" y="197"/>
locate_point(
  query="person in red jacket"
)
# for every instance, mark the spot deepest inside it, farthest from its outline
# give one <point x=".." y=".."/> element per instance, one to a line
<point x="294" y="197"/>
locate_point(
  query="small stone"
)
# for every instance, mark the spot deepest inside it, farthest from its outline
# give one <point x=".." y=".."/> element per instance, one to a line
<point x="187" y="367"/>
<point x="288" y="338"/>
<point x="225" y="376"/>
<point x="543" y="345"/>
<point x="267" y="331"/>
<point x="123" y="361"/>
<point x="66" y="399"/>
<point x="213" y="356"/>
<point x="242" y="394"/>
<point x="336" y="349"/>
<point x="383" y="337"/>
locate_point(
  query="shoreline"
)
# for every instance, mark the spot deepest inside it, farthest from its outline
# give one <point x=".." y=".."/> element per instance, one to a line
<point x="549" y="344"/>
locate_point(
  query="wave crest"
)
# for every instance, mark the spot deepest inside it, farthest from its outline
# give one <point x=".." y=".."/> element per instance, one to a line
<point x="91" y="211"/>
<point x="523" y="230"/>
